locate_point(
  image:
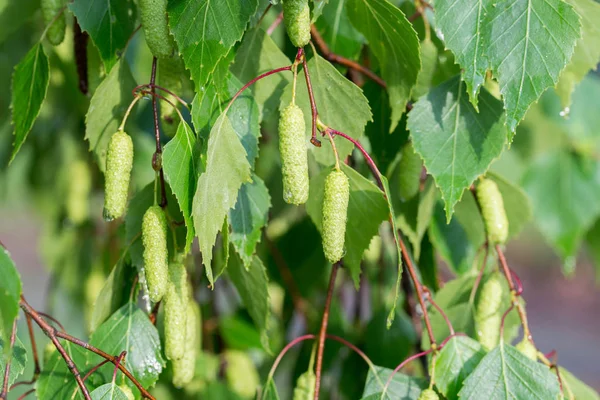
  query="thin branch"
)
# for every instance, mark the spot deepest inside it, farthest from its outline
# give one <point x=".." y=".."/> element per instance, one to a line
<point x="27" y="393"/>
<point x="505" y="268"/>
<point x="36" y="360"/>
<point x="4" y="392"/>
<point x="52" y="333"/>
<point x="94" y="369"/>
<point x="158" y="153"/>
<point x="323" y="330"/>
<point x="275" y="24"/>
<point x="335" y="58"/>
<point x="313" y="106"/>
<point x="54" y="320"/>
<point x="253" y="81"/>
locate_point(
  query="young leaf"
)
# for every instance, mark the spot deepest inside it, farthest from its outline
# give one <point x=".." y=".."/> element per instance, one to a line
<point x="587" y="51"/>
<point x="366" y="211"/>
<point x="563" y="189"/>
<point x="457" y="144"/>
<point x="108" y="391"/>
<point x="10" y="294"/>
<point x="110" y="23"/>
<point x="252" y="285"/>
<point x="258" y="54"/>
<point x="395" y="44"/>
<point x="18" y="359"/>
<point x="501" y="375"/>
<point x="401" y="387"/>
<point x="205" y="31"/>
<point x="248" y="217"/>
<point x="270" y="391"/>
<point x="29" y="87"/>
<point x="107" y="107"/>
<point x="56" y="381"/>
<point x="454" y="364"/>
<point x="335" y="96"/>
<point x="579" y="389"/>
<point x="519" y="37"/>
<point x="335" y="28"/>
<point x="130" y="330"/>
<point x="226" y="170"/>
<point x="182" y="167"/>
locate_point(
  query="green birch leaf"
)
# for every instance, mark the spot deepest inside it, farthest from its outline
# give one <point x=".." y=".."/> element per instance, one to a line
<point x="456" y="143"/>
<point x="460" y="22"/>
<point x="18" y="360"/>
<point x="454" y="364"/>
<point x="258" y="54"/>
<point x="56" y="381"/>
<point x="205" y="31"/>
<point x="395" y="44"/>
<point x="226" y="170"/>
<point x="10" y="294"/>
<point x="107" y="108"/>
<point x="401" y="386"/>
<point x="429" y="57"/>
<point x="182" y="166"/>
<point x="29" y="86"/>
<point x="129" y="329"/>
<point x="248" y="217"/>
<point x="253" y="286"/>
<point x="564" y="189"/>
<point x="580" y="390"/>
<point x="587" y="51"/>
<point x="337" y="31"/>
<point x="505" y="373"/>
<point x="367" y="209"/>
<point x="108" y="391"/>
<point x="528" y="44"/>
<point x="270" y="391"/>
<point x="109" y="23"/>
<point x="334" y="95"/>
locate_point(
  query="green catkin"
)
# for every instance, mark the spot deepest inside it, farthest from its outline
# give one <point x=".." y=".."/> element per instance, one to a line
<point x="80" y="186"/>
<point x="294" y="155"/>
<point x="492" y="211"/>
<point x="305" y="386"/>
<point x="156" y="27"/>
<point x="49" y="350"/>
<point x="335" y="211"/>
<point x="119" y="161"/>
<point x="428" y="394"/>
<point x="154" y="238"/>
<point x="184" y="368"/>
<point x="127" y="392"/>
<point x="170" y="72"/>
<point x="488" y="313"/>
<point x="56" y="31"/>
<point x="296" y="16"/>
<point x="527" y="349"/>
<point x="176" y="303"/>
<point x="409" y="172"/>
<point x="241" y="373"/>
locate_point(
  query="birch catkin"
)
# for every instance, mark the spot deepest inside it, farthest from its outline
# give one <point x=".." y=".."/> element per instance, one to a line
<point x="296" y="16"/>
<point x="335" y="212"/>
<point x="488" y="313"/>
<point x="492" y="211"/>
<point x="176" y="303"/>
<point x="154" y="18"/>
<point x="119" y="161"/>
<point x="154" y="238"/>
<point x="294" y="155"/>
<point x="50" y="10"/>
<point x="184" y="368"/>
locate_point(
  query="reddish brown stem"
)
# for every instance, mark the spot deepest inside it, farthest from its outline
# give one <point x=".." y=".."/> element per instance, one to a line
<point x="313" y="104"/>
<point x="275" y="24"/>
<point x="335" y="58"/>
<point x="158" y="153"/>
<point x="27" y="393"/>
<point x="505" y="268"/>
<point x="154" y="313"/>
<point x="323" y="331"/>
<point x="399" y="367"/>
<point x="54" y="320"/>
<point x="36" y="360"/>
<point x="150" y="85"/>
<point x="8" y="362"/>
<point x="439" y="309"/>
<point x="94" y="369"/>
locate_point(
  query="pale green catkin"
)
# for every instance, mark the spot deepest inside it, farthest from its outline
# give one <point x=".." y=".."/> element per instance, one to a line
<point x="183" y="369"/>
<point x="176" y="304"/>
<point x="156" y="27"/>
<point x="335" y="212"/>
<point x="80" y="186"/>
<point x="409" y="172"/>
<point x="305" y="386"/>
<point x="527" y="349"/>
<point x="429" y="394"/>
<point x="241" y="373"/>
<point x="488" y="313"/>
<point x="119" y="161"/>
<point x="170" y="72"/>
<point x="492" y="211"/>
<point x="154" y="238"/>
<point x="296" y="16"/>
<point x="294" y="155"/>
<point x="56" y="31"/>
